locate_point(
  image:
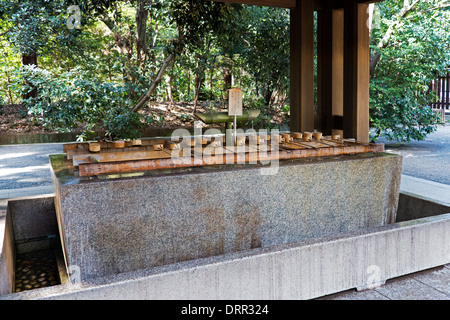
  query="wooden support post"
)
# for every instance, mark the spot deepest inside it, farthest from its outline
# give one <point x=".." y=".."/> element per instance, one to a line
<point x="337" y="68"/>
<point x="356" y="71"/>
<point x="447" y="93"/>
<point x="326" y="71"/>
<point x="302" y="66"/>
<point x="322" y="42"/>
<point x="439" y="85"/>
<point x="331" y="62"/>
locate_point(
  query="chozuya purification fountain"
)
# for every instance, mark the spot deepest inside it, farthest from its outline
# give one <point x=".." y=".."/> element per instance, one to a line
<point x="157" y="201"/>
<point x="263" y="215"/>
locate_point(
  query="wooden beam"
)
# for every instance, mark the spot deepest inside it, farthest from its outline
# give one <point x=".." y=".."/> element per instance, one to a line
<point x="356" y="71"/>
<point x="320" y="110"/>
<point x="329" y="149"/>
<point x="337" y="71"/>
<point x="363" y="65"/>
<point x="331" y="61"/>
<point x="318" y="4"/>
<point x="339" y="4"/>
<point x="325" y="71"/>
<point x="302" y="66"/>
<point x="266" y="3"/>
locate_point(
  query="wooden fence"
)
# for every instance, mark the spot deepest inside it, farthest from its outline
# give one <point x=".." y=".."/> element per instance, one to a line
<point x="442" y="87"/>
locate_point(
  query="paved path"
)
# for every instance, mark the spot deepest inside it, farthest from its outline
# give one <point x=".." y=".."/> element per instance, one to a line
<point x="428" y="159"/>
<point x="433" y="284"/>
<point x="25" y="169"/>
<point x="426" y="188"/>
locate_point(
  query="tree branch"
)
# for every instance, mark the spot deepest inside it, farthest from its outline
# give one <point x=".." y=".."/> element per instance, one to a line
<point x="145" y="98"/>
<point x="178" y="46"/>
<point x="9" y="30"/>
<point x="384" y="42"/>
<point x="440" y="5"/>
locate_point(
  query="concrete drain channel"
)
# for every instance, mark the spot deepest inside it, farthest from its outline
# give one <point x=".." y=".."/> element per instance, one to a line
<point x="31" y="256"/>
<point x="32" y="264"/>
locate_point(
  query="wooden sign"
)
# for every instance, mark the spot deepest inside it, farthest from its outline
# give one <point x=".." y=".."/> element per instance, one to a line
<point x="235" y="102"/>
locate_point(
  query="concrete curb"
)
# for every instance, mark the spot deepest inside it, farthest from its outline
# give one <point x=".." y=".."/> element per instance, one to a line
<point x="426" y="189"/>
<point x="25" y="192"/>
<point x="328" y="265"/>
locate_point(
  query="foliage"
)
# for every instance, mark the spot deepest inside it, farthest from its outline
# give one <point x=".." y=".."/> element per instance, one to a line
<point x="33" y="24"/>
<point x="417" y="52"/>
<point x="255" y="46"/>
<point x="122" y="123"/>
<point x="73" y="99"/>
<point x="94" y="76"/>
<point x="267" y="53"/>
<point x="9" y="62"/>
<point x="266" y="118"/>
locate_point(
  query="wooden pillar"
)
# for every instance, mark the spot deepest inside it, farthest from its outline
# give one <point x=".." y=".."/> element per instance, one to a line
<point x="331" y="62"/>
<point x="326" y="67"/>
<point x="337" y="71"/>
<point x="322" y="66"/>
<point x="302" y="66"/>
<point x="356" y="71"/>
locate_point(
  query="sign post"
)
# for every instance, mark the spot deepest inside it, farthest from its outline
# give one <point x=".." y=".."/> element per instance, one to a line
<point x="235" y="107"/>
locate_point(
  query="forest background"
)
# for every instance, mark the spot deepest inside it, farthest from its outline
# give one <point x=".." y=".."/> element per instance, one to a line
<point x="121" y="66"/>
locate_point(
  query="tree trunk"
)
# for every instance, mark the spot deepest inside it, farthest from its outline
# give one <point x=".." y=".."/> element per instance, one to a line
<point x="8" y="81"/>
<point x="406" y="9"/>
<point x="125" y="44"/>
<point x="30" y="59"/>
<point x="141" y="31"/>
<point x="198" y="87"/>
<point x="268" y="95"/>
<point x="188" y="83"/>
<point x="145" y="98"/>
<point x="199" y="77"/>
<point x="211" y="77"/>
<point x="169" y="89"/>
<point x="227" y="79"/>
<point x="179" y="44"/>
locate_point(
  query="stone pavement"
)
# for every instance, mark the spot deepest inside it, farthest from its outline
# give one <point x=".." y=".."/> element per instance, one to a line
<point x="25" y="169"/>
<point x="428" y="159"/>
<point x="432" y="284"/>
<point x="426" y="188"/>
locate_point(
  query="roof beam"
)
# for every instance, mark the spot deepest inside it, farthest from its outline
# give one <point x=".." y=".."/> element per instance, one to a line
<point x="337" y="4"/>
<point x="266" y="3"/>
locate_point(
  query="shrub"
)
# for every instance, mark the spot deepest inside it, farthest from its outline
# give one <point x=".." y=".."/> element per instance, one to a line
<point x="74" y="99"/>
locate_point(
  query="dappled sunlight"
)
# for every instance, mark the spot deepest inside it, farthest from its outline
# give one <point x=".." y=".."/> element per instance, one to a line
<point x="29" y="180"/>
<point x="409" y="155"/>
<point x="10" y="171"/>
<point x="16" y="155"/>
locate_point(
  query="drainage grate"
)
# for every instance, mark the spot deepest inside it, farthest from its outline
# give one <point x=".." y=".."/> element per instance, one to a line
<point x="36" y="270"/>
